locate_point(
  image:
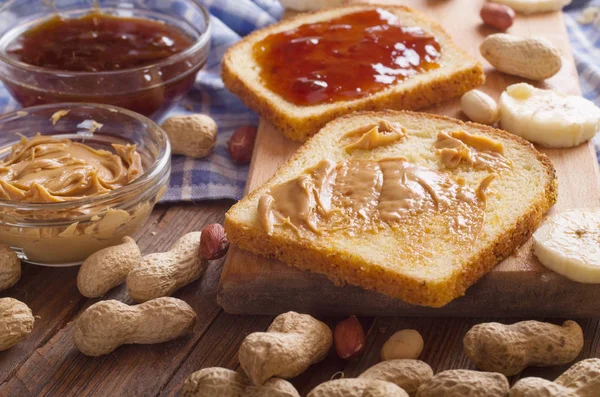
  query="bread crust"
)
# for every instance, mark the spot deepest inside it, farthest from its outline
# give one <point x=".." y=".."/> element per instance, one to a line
<point x="300" y="128"/>
<point x="344" y="268"/>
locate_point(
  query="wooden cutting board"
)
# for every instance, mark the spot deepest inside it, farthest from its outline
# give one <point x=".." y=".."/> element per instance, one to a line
<point x="519" y="286"/>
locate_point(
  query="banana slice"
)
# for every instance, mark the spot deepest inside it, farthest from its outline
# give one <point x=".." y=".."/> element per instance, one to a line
<point x="548" y="117"/>
<point x="311" y="5"/>
<point x="534" y="6"/>
<point x="569" y="244"/>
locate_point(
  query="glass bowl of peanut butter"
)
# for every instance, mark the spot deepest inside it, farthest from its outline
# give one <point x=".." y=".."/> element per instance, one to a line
<point x="76" y="178"/>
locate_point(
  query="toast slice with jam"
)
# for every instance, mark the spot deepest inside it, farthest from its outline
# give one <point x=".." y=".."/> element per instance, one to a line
<point x="309" y="69"/>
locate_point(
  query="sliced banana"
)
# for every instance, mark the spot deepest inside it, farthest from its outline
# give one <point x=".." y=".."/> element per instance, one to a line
<point x="534" y="6"/>
<point x="548" y="117"/>
<point x="569" y="244"/>
<point x="310" y="5"/>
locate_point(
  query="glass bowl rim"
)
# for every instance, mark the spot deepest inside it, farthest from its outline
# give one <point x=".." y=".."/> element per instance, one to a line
<point x="161" y="163"/>
<point x="198" y="45"/>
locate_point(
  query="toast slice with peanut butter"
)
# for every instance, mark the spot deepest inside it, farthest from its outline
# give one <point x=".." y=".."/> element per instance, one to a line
<point x="412" y="205"/>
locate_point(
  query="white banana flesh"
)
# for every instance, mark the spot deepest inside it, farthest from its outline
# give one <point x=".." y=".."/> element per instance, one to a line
<point x="569" y="244"/>
<point x="311" y="5"/>
<point x="534" y="6"/>
<point x="548" y="117"/>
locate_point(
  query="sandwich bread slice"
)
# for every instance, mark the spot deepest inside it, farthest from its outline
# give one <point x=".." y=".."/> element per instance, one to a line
<point x="322" y="62"/>
<point x="413" y="205"/>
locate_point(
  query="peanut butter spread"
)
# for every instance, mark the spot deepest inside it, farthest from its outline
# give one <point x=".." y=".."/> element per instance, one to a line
<point x="356" y="195"/>
<point x="374" y="135"/>
<point x="477" y="151"/>
<point x="44" y="170"/>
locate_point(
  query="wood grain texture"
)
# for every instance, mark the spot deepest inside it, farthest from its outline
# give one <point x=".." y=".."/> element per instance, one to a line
<point x="518" y="286"/>
<point x="48" y="363"/>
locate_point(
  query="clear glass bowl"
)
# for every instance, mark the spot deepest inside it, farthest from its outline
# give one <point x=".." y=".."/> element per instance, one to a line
<point x="65" y="233"/>
<point x="150" y="90"/>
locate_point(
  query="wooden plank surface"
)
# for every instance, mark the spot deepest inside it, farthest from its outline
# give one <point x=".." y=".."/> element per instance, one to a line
<point x="519" y="286"/>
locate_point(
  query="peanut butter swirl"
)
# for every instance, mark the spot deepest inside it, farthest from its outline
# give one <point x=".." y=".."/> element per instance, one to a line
<point x="45" y="170"/>
<point x="374" y="135"/>
<point x="477" y="151"/>
<point x="356" y="195"/>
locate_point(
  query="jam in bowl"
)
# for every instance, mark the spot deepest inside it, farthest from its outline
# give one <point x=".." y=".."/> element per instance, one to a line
<point x="142" y="56"/>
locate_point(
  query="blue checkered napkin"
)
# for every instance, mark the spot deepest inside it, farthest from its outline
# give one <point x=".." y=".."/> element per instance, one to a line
<point x="216" y="176"/>
<point x="585" y="42"/>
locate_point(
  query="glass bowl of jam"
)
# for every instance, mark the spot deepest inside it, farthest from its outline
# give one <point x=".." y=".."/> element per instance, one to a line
<point x="76" y="178"/>
<point x="139" y="55"/>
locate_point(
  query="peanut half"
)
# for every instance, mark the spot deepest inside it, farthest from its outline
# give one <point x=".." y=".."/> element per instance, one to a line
<point x="530" y="57"/>
<point x="292" y="343"/>
<point x="108" y="324"/>
<point x="463" y="382"/>
<point x="191" y="135"/>
<point x="10" y="267"/>
<point x="581" y="380"/>
<point x="357" y="388"/>
<point x="241" y="144"/>
<point x="107" y="268"/>
<point x="214" y="382"/>
<point x="480" y="107"/>
<point x="509" y="349"/>
<point x="349" y="338"/>
<point x="408" y="374"/>
<point x="406" y="343"/>
<point x="16" y="322"/>
<point x="161" y="274"/>
<point x="213" y="243"/>
<point x="498" y="16"/>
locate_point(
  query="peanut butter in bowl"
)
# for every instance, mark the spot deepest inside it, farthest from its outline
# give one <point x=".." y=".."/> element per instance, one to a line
<point x="66" y="193"/>
<point x="48" y="170"/>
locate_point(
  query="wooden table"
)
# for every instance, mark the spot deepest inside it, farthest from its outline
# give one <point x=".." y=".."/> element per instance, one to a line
<point x="48" y="364"/>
